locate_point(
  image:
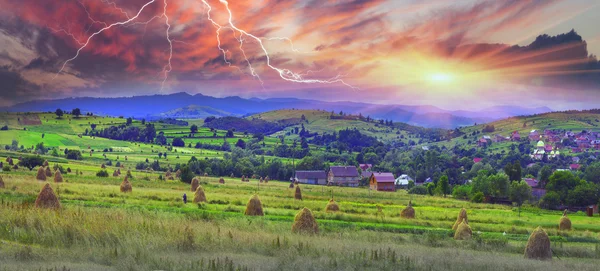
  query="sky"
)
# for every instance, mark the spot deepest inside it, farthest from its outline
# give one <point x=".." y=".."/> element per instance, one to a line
<point x="467" y="54"/>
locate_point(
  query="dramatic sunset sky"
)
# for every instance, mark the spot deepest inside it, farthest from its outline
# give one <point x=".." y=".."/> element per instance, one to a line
<point x="453" y="54"/>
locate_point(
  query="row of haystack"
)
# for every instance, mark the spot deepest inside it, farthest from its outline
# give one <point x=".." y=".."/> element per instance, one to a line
<point x="44" y="173"/>
<point x="538" y="244"/>
<point x="304" y="222"/>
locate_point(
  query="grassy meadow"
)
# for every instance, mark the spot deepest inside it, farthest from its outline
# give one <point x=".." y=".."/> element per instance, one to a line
<point x="100" y="228"/>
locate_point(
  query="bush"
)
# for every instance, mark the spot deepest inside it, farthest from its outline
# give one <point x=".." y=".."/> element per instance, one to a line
<point x="74" y="155"/>
<point x="462" y="192"/>
<point x="551" y="200"/>
<point x="178" y="142"/>
<point x="418" y="190"/>
<point x="102" y="173"/>
<point x="31" y="162"/>
<point x="6" y="168"/>
<point x="186" y="174"/>
<point x="478" y="197"/>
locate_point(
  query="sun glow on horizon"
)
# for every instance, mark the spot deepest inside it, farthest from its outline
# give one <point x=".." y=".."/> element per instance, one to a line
<point x="441" y="77"/>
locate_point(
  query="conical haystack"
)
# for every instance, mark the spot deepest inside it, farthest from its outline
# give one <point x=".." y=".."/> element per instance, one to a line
<point x="199" y="195"/>
<point x="254" y="207"/>
<point x="126" y="186"/>
<point x="119" y="170"/>
<point x="462" y="215"/>
<point x="291" y="185"/>
<point x="298" y="193"/>
<point x="58" y="178"/>
<point x="222" y="181"/>
<point x="168" y="174"/>
<point x="243" y="178"/>
<point x="41" y="174"/>
<point x="48" y="172"/>
<point x="1" y="182"/>
<point x="538" y="246"/>
<point x="565" y="222"/>
<point x="115" y="174"/>
<point x="205" y="174"/>
<point x="463" y="231"/>
<point x="305" y="222"/>
<point x="332" y="206"/>
<point x="103" y="166"/>
<point x="47" y="198"/>
<point x="194" y="185"/>
<point x="45" y="164"/>
<point x="408" y="212"/>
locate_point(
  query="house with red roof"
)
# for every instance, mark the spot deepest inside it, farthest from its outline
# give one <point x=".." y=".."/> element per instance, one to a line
<point x="515" y="136"/>
<point x="477" y="160"/>
<point x="575" y="166"/>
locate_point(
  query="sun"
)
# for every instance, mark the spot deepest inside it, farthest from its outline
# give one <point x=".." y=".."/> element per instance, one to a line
<point x="440" y="77"/>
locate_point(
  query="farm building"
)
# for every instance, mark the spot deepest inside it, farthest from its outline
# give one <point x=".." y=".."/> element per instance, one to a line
<point x="382" y="181"/>
<point x="312" y="177"/>
<point x="403" y="180"/>
<point x="343" y="176"/>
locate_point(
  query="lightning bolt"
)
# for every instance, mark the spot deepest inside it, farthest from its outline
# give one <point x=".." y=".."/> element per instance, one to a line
<point x="239" y="34"/>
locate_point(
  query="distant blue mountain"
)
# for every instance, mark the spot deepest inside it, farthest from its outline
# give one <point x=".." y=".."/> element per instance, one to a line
<point x="178" y="104"/>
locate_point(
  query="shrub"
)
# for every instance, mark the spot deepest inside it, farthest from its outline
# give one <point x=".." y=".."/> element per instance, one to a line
<point x="551" y="200"/>
<point x="47" y="199"/>
<point x="305" y="222"/>
<point x="538" y="246"/>
<point x="31" y="162"/>
<point x="102" y="173"/>
<point x="418" y="190"/>
<point x="74" y="155"/>
<point x="462" y="192"/>
<point x="6" y="168"/>
<point x="478" y="197"/>
<point x="186" y="174"/>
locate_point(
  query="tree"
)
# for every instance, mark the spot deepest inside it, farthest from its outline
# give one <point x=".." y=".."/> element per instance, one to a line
<point x="59" y="113"/>
<point x="562" y="182"/>
<point x="551" y="200"/>
<point x="186" y="174"/>
<point x="443" y="186"/>
<point x="31" y="162"/>
<point x="129" y="121"/>
<point x="76" y="112"/>
<point x="194" y="129"/>
<point x="240" y="144"/>
<point x="74" y="155"/>
<point x="520" y="192"/>
<point x="178" y="142"/>
<point x="229" y="133"/>
<point x="544" y="175"/>
<point x="584" y="194"/>
<point x="93" y="126"/>
<point x="592" y="173"/>
<point x="430" y="188"/>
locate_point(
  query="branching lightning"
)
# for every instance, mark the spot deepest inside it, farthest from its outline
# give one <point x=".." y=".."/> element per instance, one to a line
<point x="240" y="35"/>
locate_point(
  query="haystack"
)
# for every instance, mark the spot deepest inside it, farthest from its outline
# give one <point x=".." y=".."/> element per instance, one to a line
<point x="565" y="222"/>
<point x="119" y="171"/>
<point x="298" y="193"/>
<point x="58" y="178"/>
<point x="48" y="172"/>
<point x="168" y="174"/>
<point x="231" y="175"/>
<point x="243" y="178"/>
<point x="1" y="182"/>
<point x="15" y="166"/>
<point x="291" y="185"/>
<point x="205" y="174"/>
<point x="538" y="246"/>
<point x="462" y="215"/>
<point x="103" y="166"/>
<point x="332" y="206"/>
<point x="47" y="198"/>
<point x="41" y="174"/>
<point x="115" y="174"/>
<point x="463" y="231"/>
<point x="254" y="207"/>
<point x="305" y="222"/>
<point x="221" y="180"/>
<point x="261" y="179"/>
<point x="199" y="195"/>
<point x="10" y="161"/>
<point x="267" y="179"/>
<point x="178" y="173"/>
<point x="126" y="186"/>
<point x="408" y="212"/>
<point x="194" y="185"/>
<point x="45" y="164"/>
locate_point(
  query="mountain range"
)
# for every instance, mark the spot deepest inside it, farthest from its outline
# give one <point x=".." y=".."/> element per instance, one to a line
<point x="184" y="105"/>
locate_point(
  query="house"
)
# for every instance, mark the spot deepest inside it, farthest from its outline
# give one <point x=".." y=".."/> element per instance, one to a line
<point x="499" y="138"/>
<point x="533" y="183"/>
<point x="482" y="142"/>
<point x="364" y="167"/>
<point x="575" y="159"/>
<point x="343" y="176"/>
<point x="403" y="180"/>
<point x="534" y="135"/>
<point x="575" y="166"/>
<point x="477" y="160"/>
<point x="312" y="177"/>
<point x="515" y="136"/>
<point x="382" y="181"/>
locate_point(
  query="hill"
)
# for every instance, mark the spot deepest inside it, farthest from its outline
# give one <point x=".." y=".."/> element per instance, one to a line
<point x="194" y="112"/>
